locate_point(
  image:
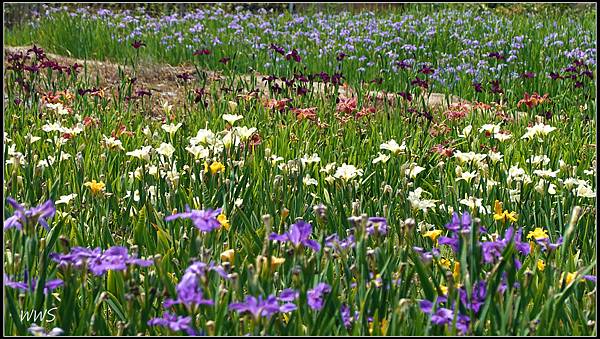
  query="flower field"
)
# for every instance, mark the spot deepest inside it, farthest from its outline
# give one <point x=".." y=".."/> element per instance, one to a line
<point x="424" y="171"/>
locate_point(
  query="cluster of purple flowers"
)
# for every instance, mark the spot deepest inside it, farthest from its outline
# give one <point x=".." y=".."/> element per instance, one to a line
<point x="98" y="262"/>
<point x="260" y="307"/>
<point x="189" y="291"/>
<point x="174" y="323"/>
<point x="445" y="316"/>
<point x="35" y="215"/>
<point x="30" y="284"/>
<point x="204" y="220"/>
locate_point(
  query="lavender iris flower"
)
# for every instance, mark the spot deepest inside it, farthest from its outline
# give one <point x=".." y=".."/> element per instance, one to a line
<point x="174" y="323"/>
<point x="30" y="285"/>
<point x="315" y="296"/>
<point x="288" y="295"/>
<point x="347" y="317"/>
<point x="462" y="224"/>
<point x="333" y="241"/>
<point x="189" y="291"/>
<point x="261" y="307"/>
<point x="204" y="220"/>
<point x="21" y="216"/>
<point x="477" y="296"/>
<point x="115" y="258"/>
<point x="377" y="225"/>
<point x="298" y="235"/>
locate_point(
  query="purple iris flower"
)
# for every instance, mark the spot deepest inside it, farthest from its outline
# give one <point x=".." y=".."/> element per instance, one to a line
<point x="316" y="296"/>
<point x="174" y="323"/>
<point x="347" y="317"/>
<point x="298" y="235"/>
<point x="189" y="291"/>
<point x="288" y="295"/>
<point x="333" y="241"/>
<point x="442" y="316"/>
<point x="115" y="258"/>
<point x="30" y="285"/>
<point x="21" y="216"/>
<point x="493" y="249"/>
<point x="204" y="220"/>
<point x="377" y="225"/>
<point x="450" y="241"/>
<point x="462" y="223"/>
<point x="261" y="307"/>
<point x="478" y="296"/>
<point x="427" y="256"/>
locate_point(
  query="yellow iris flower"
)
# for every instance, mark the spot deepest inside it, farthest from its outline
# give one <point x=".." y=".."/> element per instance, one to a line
<point x="499" y="214"/>
<point x="95" y="187"/>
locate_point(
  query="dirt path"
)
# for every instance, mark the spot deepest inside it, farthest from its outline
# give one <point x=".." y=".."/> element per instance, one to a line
<point x="162" y="80"/>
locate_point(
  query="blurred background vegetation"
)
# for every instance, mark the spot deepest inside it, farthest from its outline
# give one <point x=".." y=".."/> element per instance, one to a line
<point x="21" y="13"/>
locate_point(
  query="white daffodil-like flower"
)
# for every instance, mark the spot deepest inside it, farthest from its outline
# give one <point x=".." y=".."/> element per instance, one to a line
<point x="230" y="139"/>
<point x="489" y="183"/>
<point x="502" y="137"/>
<point x="328" y="168"/>
<point x="204" y="136"/>
<point x="571" y="182"/>
<point x="490" y="128"/>
<point x="166" y="149"/>
<point x="147" y="132"/>
<point x="142" y="153"/>
<point x="65" y="199"/>
<point x="244" y="132"/>
<point x="585" y="191"/>
<point x="136" y="195"/>
<point x="307" y="180"/>
<point x="538" y="159"/>
<point x="30" y="139"/>
<point x="232" y="105"/>
<point x="474" y="204"/>
<point x="538" y="130"/>
<point x="417" y="203"/>
<point x="466" y="132"/>
<point x="112" y="143"/>
<point x="541" y="187"/>
<point x="515" y="173"/>
<point x="274" y="159"/>
<point x="166" y="107"/>
<point x="171" y="128"/>
<point x="53" y="127"/>
<point x="514" y="195"/>
<point x="469" y="156"/>
<point x="232" y="118"/>
<point x="466" y="176"/>
<point x="393" y="147"/>
<point x="495" y="156"/>
<point x="347" y="172"/>
<point x="381" y="158"/>
<point x="310" y="160"/>
<point x="198" y="151"/>
<point x="58" y="108"/>
<point x="413" y="170"/>
<point x="545" y="173"/>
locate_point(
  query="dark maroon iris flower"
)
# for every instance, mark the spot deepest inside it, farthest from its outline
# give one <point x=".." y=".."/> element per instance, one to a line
<point x="426" y="70"/>
<point x="495" y="87"/>
<point x="201" y="52"/>
<point x="137" y="44"/>
<point x="293" y="55"/>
